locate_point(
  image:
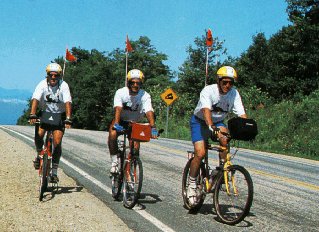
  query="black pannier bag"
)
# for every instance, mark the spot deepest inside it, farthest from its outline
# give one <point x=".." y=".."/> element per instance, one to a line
<point x="242" y="128"/>
<point x="49" y="118"/>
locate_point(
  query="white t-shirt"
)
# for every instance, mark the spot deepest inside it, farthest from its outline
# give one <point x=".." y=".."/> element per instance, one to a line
<point x="52" y="99"/>
<point x="219" y="104"/>
<point x="133" y="107"/>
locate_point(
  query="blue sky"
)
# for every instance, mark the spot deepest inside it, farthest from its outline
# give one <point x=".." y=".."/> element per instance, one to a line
<point x="34" y="32"/>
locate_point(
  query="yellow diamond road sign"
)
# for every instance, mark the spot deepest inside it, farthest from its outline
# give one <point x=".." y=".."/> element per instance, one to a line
<point x="169" y="96"/>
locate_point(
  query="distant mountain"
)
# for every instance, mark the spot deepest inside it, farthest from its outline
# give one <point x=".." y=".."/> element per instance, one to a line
<point x="15" y="94"/>
<point x="12" y="104"/>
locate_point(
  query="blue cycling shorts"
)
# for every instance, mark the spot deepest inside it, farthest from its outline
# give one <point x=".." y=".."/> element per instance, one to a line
<point x="199" y="129"/>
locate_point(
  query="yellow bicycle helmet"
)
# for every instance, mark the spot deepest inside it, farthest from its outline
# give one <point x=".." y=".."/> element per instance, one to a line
<point x="54" y="67"/>
<point x="227" y="71"/>
<point x="135" y="74"/>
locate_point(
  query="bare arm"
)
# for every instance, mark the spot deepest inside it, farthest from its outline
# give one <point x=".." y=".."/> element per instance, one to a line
<point x="243" y="116"/>
<point x="68" y="109"/>
<point x="68" y="112"/>
<point x="34" y="106"/>
<point x="117" y="116"/>
<point x="208" y="117"/>
<point x="150" y="117"/>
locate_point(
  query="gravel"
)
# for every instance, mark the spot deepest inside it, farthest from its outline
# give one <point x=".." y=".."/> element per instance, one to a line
<point x="71" y="208"/>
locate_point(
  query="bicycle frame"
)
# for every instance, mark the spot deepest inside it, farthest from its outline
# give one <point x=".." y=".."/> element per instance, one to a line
<point x="47" y="148"/>
<point x="227" y="163"/>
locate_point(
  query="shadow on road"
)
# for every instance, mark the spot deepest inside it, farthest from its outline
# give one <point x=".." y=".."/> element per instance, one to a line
<point x="207" y="209"/>
<point x="147" y="198"/>
<point x="62" y="190"/>
<point x="52" y="191"/>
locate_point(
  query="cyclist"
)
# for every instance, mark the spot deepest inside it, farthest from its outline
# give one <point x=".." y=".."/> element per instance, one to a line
<point x="215" y="102"/>
<point x="131" y="103"/>
<point x="53" y="97"/>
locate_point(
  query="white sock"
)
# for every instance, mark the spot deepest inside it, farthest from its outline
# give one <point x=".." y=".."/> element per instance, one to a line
<point x="54" y="171"/>
<point x="114" y="158"/>
<point x="192" y="182"/>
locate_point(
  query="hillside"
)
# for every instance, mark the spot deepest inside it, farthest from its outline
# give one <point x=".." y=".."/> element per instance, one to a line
<point x="12" y="104"/>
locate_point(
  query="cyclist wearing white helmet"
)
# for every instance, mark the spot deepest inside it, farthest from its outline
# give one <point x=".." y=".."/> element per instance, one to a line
<point x="131" y="103"/>
<point x="215" y="102"/>
<point x="53" y="97"/>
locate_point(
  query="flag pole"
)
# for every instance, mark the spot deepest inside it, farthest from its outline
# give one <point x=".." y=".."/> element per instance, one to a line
<point x="63" y="68"/>
<point x="206" y="67"/>
<point x="126" y="68"/>
<point x="63" y="71"/>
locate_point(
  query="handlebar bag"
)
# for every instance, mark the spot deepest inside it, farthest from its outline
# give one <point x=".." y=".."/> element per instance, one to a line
<point x="242" y="128"/>
<point x="141" y="132"/>
<point x="49" y="118"/>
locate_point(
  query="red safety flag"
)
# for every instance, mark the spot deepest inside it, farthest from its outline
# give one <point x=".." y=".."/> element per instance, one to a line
<point x="128" y="45"/>
<point x="209" y="38"/>
<point x="69" y="56"/>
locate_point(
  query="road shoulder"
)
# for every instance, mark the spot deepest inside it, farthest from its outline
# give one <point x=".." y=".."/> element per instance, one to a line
<point x="72" y="208"/>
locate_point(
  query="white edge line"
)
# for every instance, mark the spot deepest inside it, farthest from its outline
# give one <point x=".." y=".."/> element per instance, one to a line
<point x="143" y="213"/>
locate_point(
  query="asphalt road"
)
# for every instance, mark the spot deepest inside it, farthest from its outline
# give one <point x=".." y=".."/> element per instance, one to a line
<point x="285" y="188"/>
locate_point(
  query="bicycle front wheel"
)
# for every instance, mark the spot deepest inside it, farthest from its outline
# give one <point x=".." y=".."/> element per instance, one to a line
<point x="132" y="181"/>
<point x="233" y="205"/>
<point x="43" y="176"/>
<point x="117" y="181"/>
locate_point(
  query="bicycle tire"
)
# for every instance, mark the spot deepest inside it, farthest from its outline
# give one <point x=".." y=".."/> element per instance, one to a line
<point x="200" y="184"/>
<point x="117" y="181"/>
<point x="233" y="208"/>
<point x="44" y="176"/>
<point x="133" y="187"/>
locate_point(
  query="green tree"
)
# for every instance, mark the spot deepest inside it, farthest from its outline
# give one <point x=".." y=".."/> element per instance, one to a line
<point x="303" y="11"/>
<point x="191" y="76"/>
<point x="95" y="77"/>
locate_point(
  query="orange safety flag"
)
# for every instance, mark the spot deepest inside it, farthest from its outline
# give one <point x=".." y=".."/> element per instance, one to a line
<point x="128" y="45"/>
<point x="209" y="38"/>
<point x="69" y="56"/>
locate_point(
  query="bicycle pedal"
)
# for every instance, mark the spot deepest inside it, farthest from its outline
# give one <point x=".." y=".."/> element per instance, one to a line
<point x="54" y="179"/>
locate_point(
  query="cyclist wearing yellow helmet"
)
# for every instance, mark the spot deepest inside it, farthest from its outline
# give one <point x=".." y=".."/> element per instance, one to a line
<point x="53" y="97"/>
<point x="131" y="103"/>
<point x="215" y="102"/>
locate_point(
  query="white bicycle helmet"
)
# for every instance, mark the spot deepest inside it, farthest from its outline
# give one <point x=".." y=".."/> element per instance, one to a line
<point x="54" y="67"/>
<point x="135" y="74"/>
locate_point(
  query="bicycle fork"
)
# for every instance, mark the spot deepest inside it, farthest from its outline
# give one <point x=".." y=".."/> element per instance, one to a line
<point x="43" y="153"/>
<point x="226" y="176"/>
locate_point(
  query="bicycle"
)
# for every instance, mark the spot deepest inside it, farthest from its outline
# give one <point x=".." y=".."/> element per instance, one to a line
<point x="130" y="175"/>
<point x="231" y="185"/>
<point x="45" y="163"/>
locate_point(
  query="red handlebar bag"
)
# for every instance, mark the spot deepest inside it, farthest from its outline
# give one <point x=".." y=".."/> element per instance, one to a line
<point x="141" y="132"/>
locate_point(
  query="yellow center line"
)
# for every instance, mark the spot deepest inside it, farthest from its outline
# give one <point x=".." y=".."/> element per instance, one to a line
<point x="170" y="150"/>
<point x="286" y="179"/>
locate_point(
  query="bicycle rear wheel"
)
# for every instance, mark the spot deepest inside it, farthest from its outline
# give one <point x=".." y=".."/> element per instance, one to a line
<point x="43" y="176"/>
<point x="200" y="184"/>
<point x="132" y="181"/>
<point x="233" y="207"/>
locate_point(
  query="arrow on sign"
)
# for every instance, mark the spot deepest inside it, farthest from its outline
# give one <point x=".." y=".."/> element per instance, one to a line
<point x="169" y="96"/>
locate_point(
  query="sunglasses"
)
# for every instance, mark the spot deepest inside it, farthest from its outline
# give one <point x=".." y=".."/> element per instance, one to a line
<point x="135" y="83"/>
<point x="53" y="75"/>
<point x="223" y="82"/>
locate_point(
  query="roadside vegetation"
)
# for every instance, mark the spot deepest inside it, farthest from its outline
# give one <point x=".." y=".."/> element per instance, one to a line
<point x="278" y="81"/>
